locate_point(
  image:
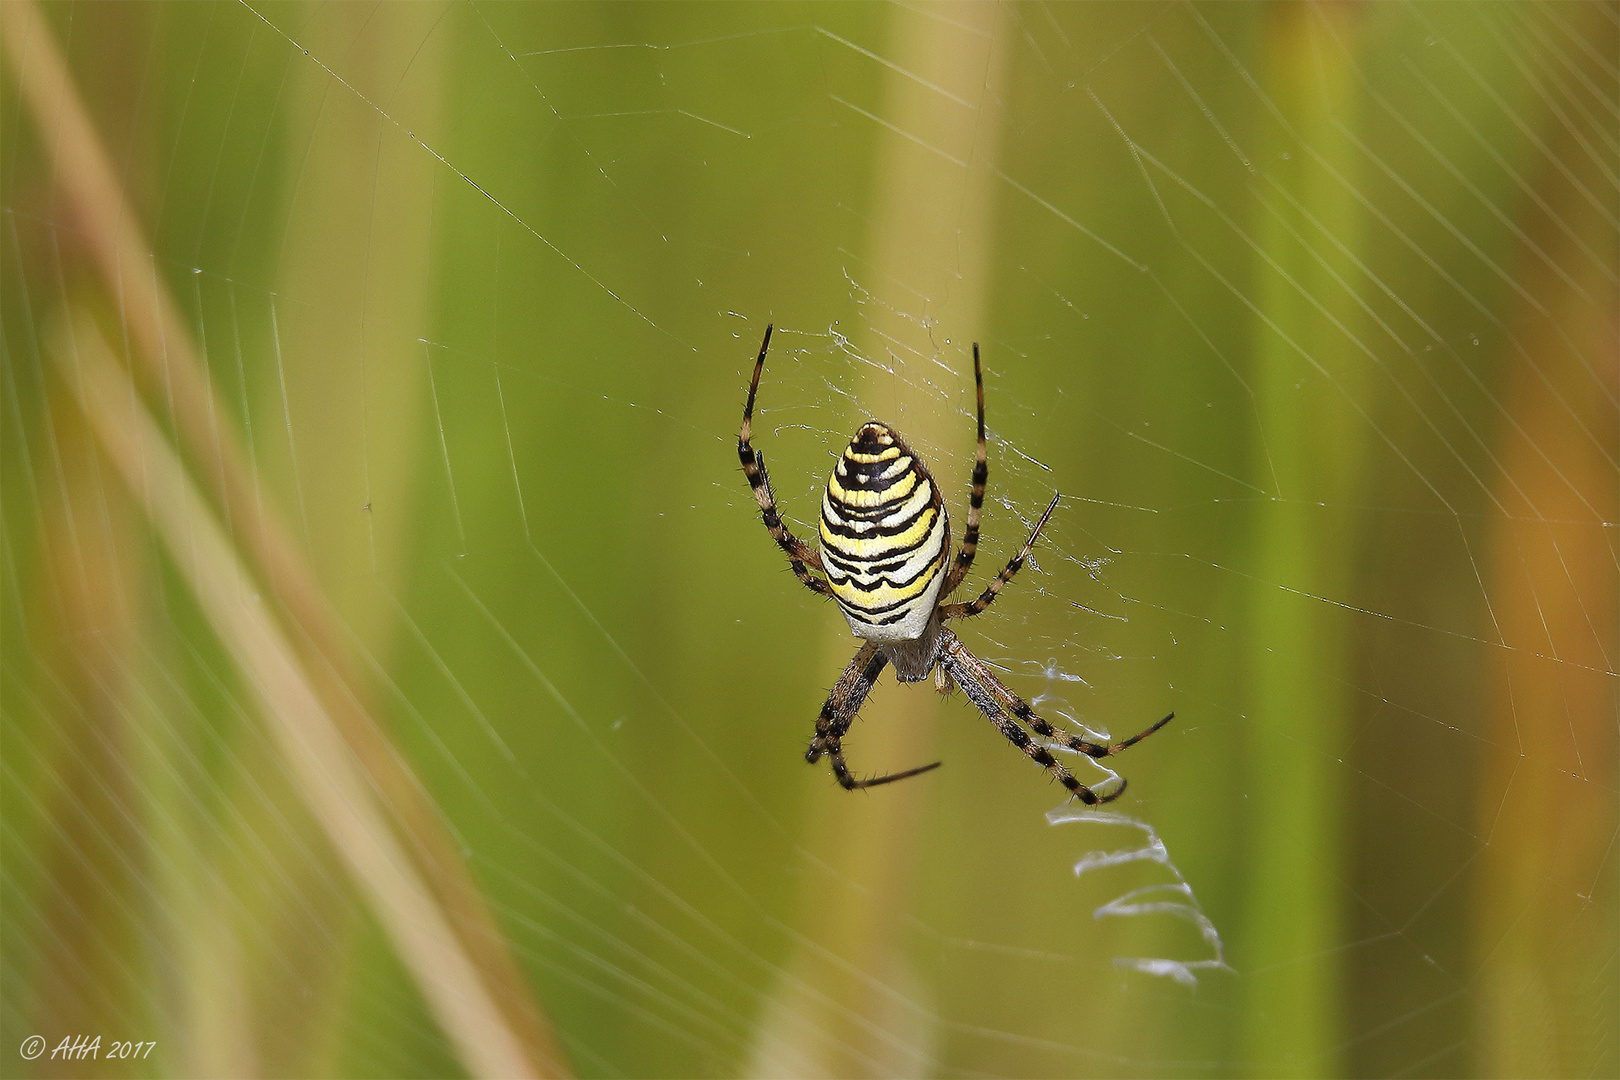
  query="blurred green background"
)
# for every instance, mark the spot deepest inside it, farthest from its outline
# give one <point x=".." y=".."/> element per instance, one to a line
<point x="1308" y="311"/>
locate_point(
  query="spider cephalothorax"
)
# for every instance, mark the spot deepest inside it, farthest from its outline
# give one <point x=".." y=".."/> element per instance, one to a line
<point x="885" y="551"/>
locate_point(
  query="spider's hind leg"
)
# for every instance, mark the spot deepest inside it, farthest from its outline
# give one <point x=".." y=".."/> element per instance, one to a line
<point x="981" y="473"/>
<point x="801" y="557"/>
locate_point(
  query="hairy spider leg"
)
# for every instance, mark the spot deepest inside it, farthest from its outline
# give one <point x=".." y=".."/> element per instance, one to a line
<point x="838" y="713"/>
<point x="1014" y="564"/>
<point x="1020" y="709"/>
<point x="993" y="698"/>
<point x="801" y="557"/>
<point x="981" y="473"/>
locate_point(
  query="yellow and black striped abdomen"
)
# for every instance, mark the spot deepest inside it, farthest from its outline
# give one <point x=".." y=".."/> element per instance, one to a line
<point x="884" y="537"/>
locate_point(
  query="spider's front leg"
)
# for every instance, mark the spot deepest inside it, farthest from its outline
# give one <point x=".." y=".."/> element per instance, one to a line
<point x="839" y="713"/>
<point x="996" y="701"/>
<point x="1020" y="709"/>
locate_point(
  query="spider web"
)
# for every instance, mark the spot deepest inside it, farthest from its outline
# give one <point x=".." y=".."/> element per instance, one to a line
<point x="1308" y="312"/>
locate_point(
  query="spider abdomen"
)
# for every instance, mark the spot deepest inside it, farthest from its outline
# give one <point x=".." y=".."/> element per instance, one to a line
<point x="884" y="536"/>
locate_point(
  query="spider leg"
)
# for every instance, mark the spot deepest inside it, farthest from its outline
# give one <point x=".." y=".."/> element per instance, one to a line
<point x="847" y="696"/>
<point x="962" y="611"/>
<point x="996" y="701"/>
<point x="1090" y="749"/>
<point x="1020" y="709"/>
<point x="800" y="555"/>
<point x="839" y="712"/>
<point x="981" y="472"/>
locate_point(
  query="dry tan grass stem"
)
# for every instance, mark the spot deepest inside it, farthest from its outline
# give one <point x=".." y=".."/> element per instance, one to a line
<point x="325" y="769"/>
<point x="291" y="649"/>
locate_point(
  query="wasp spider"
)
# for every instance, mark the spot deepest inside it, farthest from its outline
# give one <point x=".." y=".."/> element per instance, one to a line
<point x="885" y="556"/>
